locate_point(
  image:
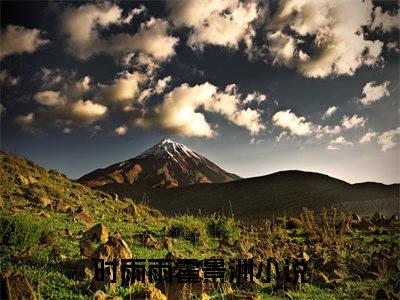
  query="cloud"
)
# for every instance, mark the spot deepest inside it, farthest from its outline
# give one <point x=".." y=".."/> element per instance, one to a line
<point x="384" y="21"/>
<point x="179" y="112"/>
<point x="254" y="97"/>
<point x="354" y="121"/>
<point x="25" y="121"/>
<point x="366" y="138"/>
<point x="221" y="23"/>
<point x="299" y="126"/>
<point x="294" y="124"/>
<point x="336" y="143"/>
<point x="49" y="98"/>
<point x="332" y="31"/>
<point x="162" y="84"/>
<point x="121" y="130"/>
<point x="125" y="88"/>
<point x="387" y="139"/>
<point x="82" y="24"/>
<point x="281" y="136"/>
<point x="18" y="39"/>
<point x="68" y="106"/>
<point x="374" y="92"/>
<point x="87" y="112"/>
<point x="153" y="39"/>
<point x="329" y="112"/>
<point x="6" y="78"/>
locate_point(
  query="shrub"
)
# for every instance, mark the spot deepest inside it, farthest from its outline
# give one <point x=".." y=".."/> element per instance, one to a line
<point x="294" y="223"/>
<point x="188" y="228"/>
<point x="222" y="227"/>
<point x="19" y="233"/>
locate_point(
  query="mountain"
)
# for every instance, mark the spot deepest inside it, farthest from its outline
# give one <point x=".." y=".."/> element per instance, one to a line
<point x="254" y="199"/>
<point x="167" y="164"/>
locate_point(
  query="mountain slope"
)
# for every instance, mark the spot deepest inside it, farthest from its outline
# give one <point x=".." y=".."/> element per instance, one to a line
<point x="167" y="164"/>
<point x="254" y="199"/>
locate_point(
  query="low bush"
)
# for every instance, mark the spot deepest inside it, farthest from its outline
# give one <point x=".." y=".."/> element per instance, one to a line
<point x="222" y="227"/>
<point x="188" y="228"/>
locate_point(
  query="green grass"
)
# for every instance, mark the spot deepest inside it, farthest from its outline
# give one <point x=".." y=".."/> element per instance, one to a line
<point x="53" y="276"/>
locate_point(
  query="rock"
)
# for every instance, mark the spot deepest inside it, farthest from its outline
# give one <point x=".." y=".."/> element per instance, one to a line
<point x="42" y="201"/>
<point x="44" y="214"/>
<point x="378" y="218"/>
<point x="114" y="196"/>
<point x="381" y="294"/>
<point x="14" y="285"/>
<point x="167" y="244"/>
<point x="47" y="238"/>
<point x="66" y="232"/>
<point x="62" y="206"/>
<point x="151" y="242"/>
<point x="149" y="293"/>
<point x="22" y="180"/>
<point x="115" y="248"/>
<point x="133" y="210"/>
<point x="100" y="295"/>
<point x="338" y="274"/>
<point x="84" y="217"/>
<point x="98" y="233"/>
<point x="322" y="278"/>
<point x="32" y="180"/>
<point x="304" y="255"/>
<point x="372" y="275"/>
<point x="355" y="217"/>
<point x="86" y="248"/>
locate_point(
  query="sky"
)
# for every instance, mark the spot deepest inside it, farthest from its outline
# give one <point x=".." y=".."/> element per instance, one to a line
<point x="255" y="86"/>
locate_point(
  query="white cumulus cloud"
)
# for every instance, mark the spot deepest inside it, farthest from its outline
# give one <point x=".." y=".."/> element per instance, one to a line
<point x="389" y="139"/>
<point x="373" y="92"/>
<point x="354" y="121"/>
<point x="18" y="39"/>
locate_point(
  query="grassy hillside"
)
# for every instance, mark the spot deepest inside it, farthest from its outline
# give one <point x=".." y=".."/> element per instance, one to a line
<point x="45" y="218"/>
<point x="284" y="193"/>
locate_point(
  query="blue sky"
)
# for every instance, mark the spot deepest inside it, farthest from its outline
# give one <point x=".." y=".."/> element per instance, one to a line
<point x="255" y="86"/>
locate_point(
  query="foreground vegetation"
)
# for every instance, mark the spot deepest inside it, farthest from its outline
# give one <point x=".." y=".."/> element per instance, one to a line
<point x="45" y="220"/>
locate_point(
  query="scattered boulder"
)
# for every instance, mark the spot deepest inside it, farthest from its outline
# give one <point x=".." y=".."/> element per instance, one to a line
<point x="322" y="279"/>
<point x="86" y="248"/>
<point x="381" y="294"/>
<point x="22" y="180"/>
<point x="42" y="201"/>
<point x="146" y="239"/>
<point x="98" y="233"/>
<point x="32" y="180"/>
<point x="115" y="248"/>
<point x="84" y="217"/>
<point x="62" y="206"/>
<point x="14" y="285"/>
<point x="378" y="218"/>
<point x="167" y="244"/>
<point x="100" y="295"/>
<point x="355" y="218"/>
<point x="149" y="293"/>
<point x="66" y="232"/>
<point x="44" y="214"/>
<point x="114" y="196"/>
<point x="133" y="210"/>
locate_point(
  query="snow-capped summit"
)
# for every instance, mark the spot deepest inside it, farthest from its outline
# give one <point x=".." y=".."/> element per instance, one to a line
<point x="169" y="148"/>
<point x="166" y="164"/>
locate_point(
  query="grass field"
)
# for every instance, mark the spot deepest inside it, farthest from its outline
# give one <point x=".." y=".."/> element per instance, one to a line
<point x="45" y="216"/>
